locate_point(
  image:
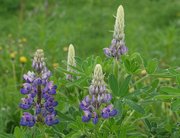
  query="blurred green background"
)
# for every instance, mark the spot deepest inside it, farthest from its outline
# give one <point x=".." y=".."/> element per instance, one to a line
<point x="152" y="29"/>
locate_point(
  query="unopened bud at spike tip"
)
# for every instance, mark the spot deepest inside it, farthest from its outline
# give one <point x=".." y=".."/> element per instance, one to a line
<point x="70" y="61"/>
<point x="119" y="24"/>
<point x="96" y="104"/>
<point x="117" y="47"/>
<point x="38" y="61"/>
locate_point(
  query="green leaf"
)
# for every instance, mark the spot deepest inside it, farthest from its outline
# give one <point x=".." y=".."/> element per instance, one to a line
<point x="170" y="90"/>
<point x="65" y="117"/>
<point x="78" y="60"/>
<point x="147" y="123"/>
<point x="122" y="132"/>
<point x="127" y="64"/>
<point x="18" y="133"/>
<point x="173" y="71"/>
<point x="178" y="79"/>
<point x="175" y="105"/>
<point x="135" y="106"/>
<point x="74" y="134"/>
<point x="118" y="106"/>
<point x="115" y="68"/>
<point x="113" y="84"/>
<point x="152" y="66"/>
<point x="132" y="63"/>
<point x="124" y="86"/>
<point x="155" y="83"/>
<point x="165" y="97"/>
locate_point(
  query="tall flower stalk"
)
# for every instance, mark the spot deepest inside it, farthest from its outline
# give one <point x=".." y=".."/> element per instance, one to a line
<point x="38" y="91"/>
<point x="117" y="47"/>
<point x="97" y="103"/>
<point x="70" y="62"/>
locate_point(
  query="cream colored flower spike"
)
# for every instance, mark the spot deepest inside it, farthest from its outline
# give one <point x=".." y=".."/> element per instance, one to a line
<point x="119" y="24"/>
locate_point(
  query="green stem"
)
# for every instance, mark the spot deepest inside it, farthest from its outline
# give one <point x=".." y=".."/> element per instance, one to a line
<point x="115" y="68"/>
<point x="128" y="118"/>
<point x="14" y="73"/>
<point x="102" y="125"/>
<point x="138" y="81"/>
<point x="22" y="71"/>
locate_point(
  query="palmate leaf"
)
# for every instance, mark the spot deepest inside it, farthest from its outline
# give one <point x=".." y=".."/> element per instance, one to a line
<point x="65" y="117"/>
<point x="133" y="63"/>
<point x="135" y="106"/>
<point x="147" y="123"/>
<point x="74" y="134"/>
<point x="18" y="133"/>
<point x="113" y="84"/>
<point x="119" y="89"/>
<point x="124" y="86"/>
<point x="78" y="60"/>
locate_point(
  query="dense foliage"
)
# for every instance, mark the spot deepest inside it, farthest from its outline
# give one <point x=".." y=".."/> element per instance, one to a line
<point x="138" y="93"/>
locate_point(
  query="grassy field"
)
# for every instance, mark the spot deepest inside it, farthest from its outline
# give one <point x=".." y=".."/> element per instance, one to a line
<point x="152" y="28"/>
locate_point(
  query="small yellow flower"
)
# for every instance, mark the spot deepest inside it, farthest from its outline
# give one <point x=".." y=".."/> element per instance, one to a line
<point x="65" y="49"/>
<point x="55" y="65"/>
<point x="23" y="59"/>
<point x="0" y="48"/>
<point x="13" y="55"/>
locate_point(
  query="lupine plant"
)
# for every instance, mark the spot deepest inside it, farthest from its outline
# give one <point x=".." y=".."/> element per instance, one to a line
<point x="38" y="91"/>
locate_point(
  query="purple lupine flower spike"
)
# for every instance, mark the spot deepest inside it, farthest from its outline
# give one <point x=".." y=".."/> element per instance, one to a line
<point x="98" y="99"/>
<point x="39" y="93"/>
<point x="117" y="47"/>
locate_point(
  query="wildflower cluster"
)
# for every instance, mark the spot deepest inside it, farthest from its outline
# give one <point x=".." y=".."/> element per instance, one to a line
<point x="117" y="47"/>
<point x="38" y="91"/>
<point x="97" y="103"/>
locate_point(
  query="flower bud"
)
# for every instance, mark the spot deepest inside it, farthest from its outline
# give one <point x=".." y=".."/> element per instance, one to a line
<point x="70" y="61"/>
<point x="98" y="77"/>
<point x="38" y="61"/>
<point x="119" y="24"/>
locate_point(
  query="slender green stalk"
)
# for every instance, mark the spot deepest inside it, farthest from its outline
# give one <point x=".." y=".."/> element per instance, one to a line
<point x="140" y="80"/>
<point x="128" y="118"/>
<point x="14" y="74"/>
<point x="102" y="125"/>
<point x="115" y="68"/>
<point x="22" y="71"/>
